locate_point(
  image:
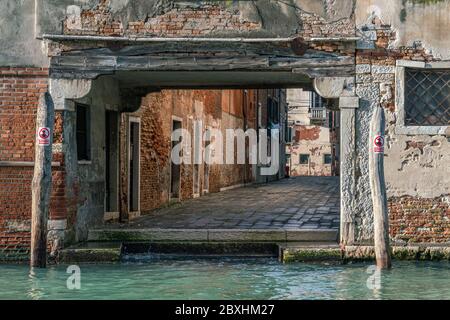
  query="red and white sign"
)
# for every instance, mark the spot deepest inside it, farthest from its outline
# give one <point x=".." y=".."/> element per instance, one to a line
<point x="378" y="144"/>
<point x="43" y="136"/>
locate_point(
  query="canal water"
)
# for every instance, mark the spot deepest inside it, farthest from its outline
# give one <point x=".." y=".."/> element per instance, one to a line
<point x="227" y="279"/>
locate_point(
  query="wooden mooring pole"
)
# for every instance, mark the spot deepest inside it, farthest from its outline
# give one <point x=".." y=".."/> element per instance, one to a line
<point x="42" y="181"/>
<point x="378" y="189"/>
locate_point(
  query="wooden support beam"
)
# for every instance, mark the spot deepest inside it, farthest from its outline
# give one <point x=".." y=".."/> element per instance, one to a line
<point x="42" y="181"/>
<point x="378" y="189"/>
<point x="312" y="63"/>
<point x="169" y="48"/>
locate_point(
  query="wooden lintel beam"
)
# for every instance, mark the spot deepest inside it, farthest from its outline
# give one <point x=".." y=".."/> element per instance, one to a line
<point x="92" y="66"/>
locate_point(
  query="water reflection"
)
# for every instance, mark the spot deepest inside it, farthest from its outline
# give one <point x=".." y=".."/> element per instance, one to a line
<point x="228" y="279"/>
<point x="35" y="279"/>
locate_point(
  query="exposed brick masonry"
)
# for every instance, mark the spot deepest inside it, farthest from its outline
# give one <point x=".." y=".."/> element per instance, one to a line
<point x="174" y="22"/>
<point x="412" y="219"/>
<point x="420" y="220"/>
<point x="19" y="93"/>
<point x="20" y="89"/>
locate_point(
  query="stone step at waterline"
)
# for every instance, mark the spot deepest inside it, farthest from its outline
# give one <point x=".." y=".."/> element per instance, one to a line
<point x="91" y="252"/>
<point x="287" y="252"/>
<point x="110" y="252"/>
<point x="220" y="235"/>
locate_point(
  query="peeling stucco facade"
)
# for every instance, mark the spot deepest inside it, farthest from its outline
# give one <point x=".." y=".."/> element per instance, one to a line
<point x="416" y="164"/>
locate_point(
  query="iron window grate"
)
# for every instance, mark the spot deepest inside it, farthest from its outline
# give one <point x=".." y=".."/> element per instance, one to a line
<point x="427" y="97"/>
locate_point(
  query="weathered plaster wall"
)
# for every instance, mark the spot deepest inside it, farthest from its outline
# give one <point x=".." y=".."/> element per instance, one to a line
<point x="308" y="138"/>
<point x="23" y="22"/>
<point x="314" y="141"/>
<point x="415" y="165"/>
<point x="418" y="166"/>
<point x="264" y="18"/>
<point x="18" y="46"/>
<point x="91" y="174"/>
<point x="414" y="20"/>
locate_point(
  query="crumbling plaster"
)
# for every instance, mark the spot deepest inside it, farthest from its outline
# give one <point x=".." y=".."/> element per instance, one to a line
<point x="314" y="141"/>
<point x="23" y="22"/>
<point x="415" y="155"/>
<point x="104" y="96"/>
<point x="417" y="165"/>
<point x="414" y="20"/>
<point x="277" y="18"/>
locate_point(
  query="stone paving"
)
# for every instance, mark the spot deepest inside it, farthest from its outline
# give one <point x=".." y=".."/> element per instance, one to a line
<point x="291" y="204"/>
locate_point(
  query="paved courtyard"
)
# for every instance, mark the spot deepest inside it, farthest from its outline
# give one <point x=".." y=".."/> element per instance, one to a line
<point x="290" y="204"/>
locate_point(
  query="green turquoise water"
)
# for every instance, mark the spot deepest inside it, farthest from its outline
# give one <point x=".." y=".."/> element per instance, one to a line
<point x="227" y="279"/>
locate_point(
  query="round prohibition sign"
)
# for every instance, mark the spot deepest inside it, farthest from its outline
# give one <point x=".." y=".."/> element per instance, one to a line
<point x="44" y="133"/>
<point x="379" y="141"/>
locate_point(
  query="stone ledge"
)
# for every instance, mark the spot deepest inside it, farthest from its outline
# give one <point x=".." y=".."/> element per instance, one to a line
<point x="246" y="235"/>
<point x="220" y="235"/>
<point x="110" y="252"/>
<point x="362" y="253"/>
<point x="313" y="235"/>
<point x="416" y="252"/>
<point x="310" y="254"/>
<point x="148" y="235"/>
<point x="91" y="254"/>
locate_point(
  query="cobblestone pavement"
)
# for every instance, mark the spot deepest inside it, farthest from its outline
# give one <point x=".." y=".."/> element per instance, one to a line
<point x="295" y="203"/>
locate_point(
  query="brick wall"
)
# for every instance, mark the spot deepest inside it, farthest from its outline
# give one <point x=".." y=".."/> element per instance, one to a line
<point x="415" y="219"/>
<point x="179" y="21"/>
<point x="215" y="108"/>
<point x="19" y="94"/>
<point x="20" y="89"/>
<point x="15" y="211"/>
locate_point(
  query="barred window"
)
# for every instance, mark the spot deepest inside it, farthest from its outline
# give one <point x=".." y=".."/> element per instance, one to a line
<point x="427" y="97"/>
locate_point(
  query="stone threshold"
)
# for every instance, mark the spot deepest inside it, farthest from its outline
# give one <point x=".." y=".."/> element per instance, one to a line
<point x="219" y="235"/>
